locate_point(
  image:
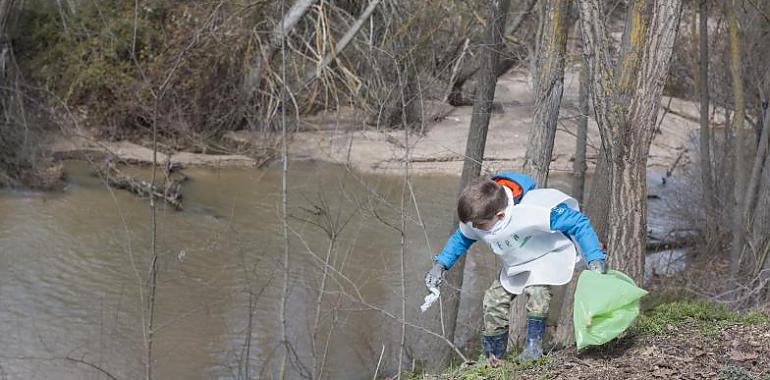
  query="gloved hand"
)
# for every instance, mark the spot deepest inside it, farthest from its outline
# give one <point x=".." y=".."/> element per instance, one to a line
<point x="598" y="265"/>
<point x="435" y="275"/>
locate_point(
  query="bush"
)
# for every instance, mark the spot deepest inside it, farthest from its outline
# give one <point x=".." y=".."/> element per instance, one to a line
<point x="113" y="66"/>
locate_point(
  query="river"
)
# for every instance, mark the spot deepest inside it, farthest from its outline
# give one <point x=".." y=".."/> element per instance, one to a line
<point x="74" y="266"/>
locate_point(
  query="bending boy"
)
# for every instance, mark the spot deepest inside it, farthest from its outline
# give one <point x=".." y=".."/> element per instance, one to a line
<point x="533" y="232"/>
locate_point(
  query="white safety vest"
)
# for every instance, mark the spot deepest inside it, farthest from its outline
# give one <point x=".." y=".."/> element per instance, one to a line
<point x="531" y="253"/>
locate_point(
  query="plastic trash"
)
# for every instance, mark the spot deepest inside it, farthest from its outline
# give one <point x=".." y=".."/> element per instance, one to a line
<point x="430" y="299"/>
<point x="605" y="305"/>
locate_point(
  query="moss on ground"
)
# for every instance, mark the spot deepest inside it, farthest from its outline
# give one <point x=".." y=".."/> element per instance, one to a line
<point x="710" y="317"/>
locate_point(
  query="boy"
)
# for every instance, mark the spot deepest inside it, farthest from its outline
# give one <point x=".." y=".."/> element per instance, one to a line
<point x="533" y="232"/>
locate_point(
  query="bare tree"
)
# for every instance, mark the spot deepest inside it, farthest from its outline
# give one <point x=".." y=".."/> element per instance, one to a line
<point x="739" y="142"/>
<point x="579" y="167"/>
<point x="477" y="135"/>
<point x="705" y="134"/>
<point x="626" y="102"/>
<point x="563" y="300"/>
<point x="284" y="214"/>
<point x="549" y="87"/>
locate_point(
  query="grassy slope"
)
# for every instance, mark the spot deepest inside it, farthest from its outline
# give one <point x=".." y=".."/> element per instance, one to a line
<point x="671" y="341"/>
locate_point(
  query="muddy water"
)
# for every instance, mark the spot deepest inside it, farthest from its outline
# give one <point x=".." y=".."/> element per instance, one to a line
<point x="73" y="267"/>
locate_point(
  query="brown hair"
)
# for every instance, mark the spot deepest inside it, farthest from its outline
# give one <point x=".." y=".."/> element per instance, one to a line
<point x="481" y="200"/>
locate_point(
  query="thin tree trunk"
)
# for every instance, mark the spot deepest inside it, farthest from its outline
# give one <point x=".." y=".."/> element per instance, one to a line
<point x="580" y="167"/>
<point x="750" y="198"/>
<point x="477" y="135"/>
<point x="404" y="189"/>
<point x="563" y="301"/>
<point x="756" y="212"/>
<point x="739" y="168"/>
<point x="284" y="208"/>
<point x="549" y="88"/>
<point x="549" y="79"/>
<point x="762" y="222"/>
<point x="705" y="138"/>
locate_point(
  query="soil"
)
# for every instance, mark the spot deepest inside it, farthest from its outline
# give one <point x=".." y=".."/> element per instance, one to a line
<point x="684" y="352"/>
<point x="733" y="351"/>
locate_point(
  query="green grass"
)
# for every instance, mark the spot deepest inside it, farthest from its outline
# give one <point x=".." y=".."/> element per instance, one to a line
<point x="733" y="372"/>
<point x="710" y="317"/>
<point x="508" y="369"/>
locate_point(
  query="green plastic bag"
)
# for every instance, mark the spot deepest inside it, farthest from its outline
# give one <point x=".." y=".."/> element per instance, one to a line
<point x="605" y="305"/>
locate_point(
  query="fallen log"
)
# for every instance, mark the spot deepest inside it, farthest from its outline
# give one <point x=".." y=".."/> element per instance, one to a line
<point x="171" y="193"/>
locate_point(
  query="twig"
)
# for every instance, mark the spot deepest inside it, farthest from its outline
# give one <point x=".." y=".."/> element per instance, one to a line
<point x="92" y="365"/>
<point x="379" y="362"/>
<point x="360" y="298"/>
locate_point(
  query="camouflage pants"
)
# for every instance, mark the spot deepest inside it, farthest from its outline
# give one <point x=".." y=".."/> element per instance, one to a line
<point x="497" y="306"/>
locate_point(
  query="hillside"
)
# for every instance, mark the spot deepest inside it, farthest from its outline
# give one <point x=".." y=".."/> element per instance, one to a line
<point x="671" y="341"/>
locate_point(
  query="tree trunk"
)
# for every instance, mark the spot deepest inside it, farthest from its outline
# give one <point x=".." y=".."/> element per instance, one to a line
<point x="739" y="168"/>
<point x="626" y="102"/>
<point x="705" y="138"/>
<point x="761" y="222"/>
<point x="579" y="167"/>
<point x="755" y="212"/>
<point x="477" y="135"/>
<point x="549" y="88"/>
<point x="549" y="79"/>
<point x="750" y="198"/>
<point x="563" y="301"/>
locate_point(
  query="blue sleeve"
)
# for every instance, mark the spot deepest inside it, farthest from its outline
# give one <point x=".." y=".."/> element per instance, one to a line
<point x="577" y="226"/>
<point x="455" y="246"/>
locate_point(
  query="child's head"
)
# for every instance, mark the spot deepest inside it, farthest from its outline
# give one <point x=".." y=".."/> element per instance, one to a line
<point x="482" y="203"/>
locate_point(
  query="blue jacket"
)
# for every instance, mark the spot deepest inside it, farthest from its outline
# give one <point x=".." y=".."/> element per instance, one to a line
<point x="573" y="223"/>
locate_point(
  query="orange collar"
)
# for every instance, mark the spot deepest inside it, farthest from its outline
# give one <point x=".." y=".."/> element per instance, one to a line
<point x="515" y="188"/>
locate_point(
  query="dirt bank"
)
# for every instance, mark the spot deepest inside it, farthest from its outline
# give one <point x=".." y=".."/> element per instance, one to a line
<point x="342" y="137"/>
<point x="81" y="147"/>
<point x="441" y="148"/>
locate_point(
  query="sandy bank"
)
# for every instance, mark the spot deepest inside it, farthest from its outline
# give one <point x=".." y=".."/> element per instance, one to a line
<point x="84" y="148"/>
<point x="343" y="138"/>
<point x="441" y="148"/>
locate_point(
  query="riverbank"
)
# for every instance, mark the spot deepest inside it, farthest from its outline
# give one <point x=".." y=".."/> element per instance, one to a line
<point x="441" y="148"/>
<point x="671" y="341"/>
<point x="69" y="147"/>
<point x="344" y="138"/>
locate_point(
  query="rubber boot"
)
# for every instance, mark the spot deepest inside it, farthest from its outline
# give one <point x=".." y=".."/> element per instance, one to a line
<point x="533" y="349"/>
<point x="495" y="345"/>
